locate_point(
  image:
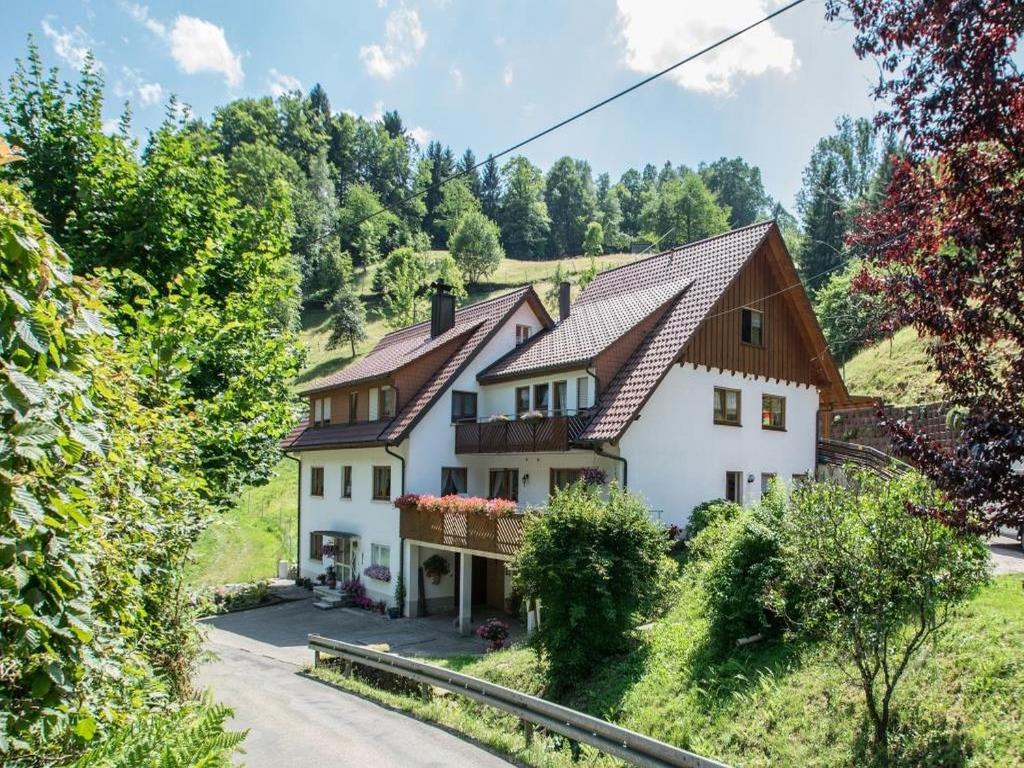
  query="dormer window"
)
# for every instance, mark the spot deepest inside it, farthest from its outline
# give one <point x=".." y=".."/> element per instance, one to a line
<point x="387" y="402"/>
<point x="322" y="412"/>
<point x="752" y="327"/>
<point x="523" y="333"/>
<point x="353" y="407"/>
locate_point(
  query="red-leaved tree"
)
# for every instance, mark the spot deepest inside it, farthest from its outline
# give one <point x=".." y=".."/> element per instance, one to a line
<point x="948" y="238"/>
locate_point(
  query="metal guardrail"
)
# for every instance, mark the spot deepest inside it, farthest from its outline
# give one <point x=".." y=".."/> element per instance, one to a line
<point x="629" y="746"/>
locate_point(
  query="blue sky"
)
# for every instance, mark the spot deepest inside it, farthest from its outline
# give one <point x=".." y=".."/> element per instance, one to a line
<point x="487" y="74"/>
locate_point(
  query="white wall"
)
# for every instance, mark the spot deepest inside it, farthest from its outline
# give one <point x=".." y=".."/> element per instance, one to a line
<point x="678" y="456"/>
<point x="375" y="522"/>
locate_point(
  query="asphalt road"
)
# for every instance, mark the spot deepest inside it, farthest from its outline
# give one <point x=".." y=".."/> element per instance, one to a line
<point x="295" y="721"/>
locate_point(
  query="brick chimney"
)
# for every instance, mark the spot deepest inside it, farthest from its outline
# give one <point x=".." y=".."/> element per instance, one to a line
<point x="442" y="308"/>
<point x="563" y="300"/>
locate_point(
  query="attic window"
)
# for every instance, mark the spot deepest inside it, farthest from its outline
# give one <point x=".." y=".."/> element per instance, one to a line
<point x="321" y="412"/>
<point x="752" y="327"/>
<point x="522" y="334"/>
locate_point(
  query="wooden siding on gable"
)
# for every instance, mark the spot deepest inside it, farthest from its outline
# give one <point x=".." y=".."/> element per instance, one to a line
<point x="785" y="353"/>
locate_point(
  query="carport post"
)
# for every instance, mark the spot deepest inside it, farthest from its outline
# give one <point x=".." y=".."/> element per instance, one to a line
<point x="411" y="579"/>
<point x="465" y="593"/>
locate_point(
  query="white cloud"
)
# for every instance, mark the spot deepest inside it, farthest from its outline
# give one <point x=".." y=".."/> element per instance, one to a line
<point x="200" y="46"/>
<point x="150" y="93"/>
<point x="420" y="135"/>
<point x="404" y="39"/>
<point x="656" y="35"/>
<point x="71" y="45"/>
<point x="196" y="45"/>
<point x="457" y="79"/>
<point x="278" y="83"/>
<point x="377" y="113"/>
<point x="111" y="126"/>
<point x="508" y="75"/>
<point x="141" y="14"/>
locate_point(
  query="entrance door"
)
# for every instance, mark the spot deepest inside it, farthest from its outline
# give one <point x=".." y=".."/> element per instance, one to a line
<point x="479" y="580"/>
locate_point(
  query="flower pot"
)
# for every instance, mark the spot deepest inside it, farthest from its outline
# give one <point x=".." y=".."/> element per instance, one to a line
<point x="394" y="612"/>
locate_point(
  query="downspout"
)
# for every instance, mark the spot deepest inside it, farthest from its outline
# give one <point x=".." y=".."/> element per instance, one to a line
<point x="401" y="539"/>
<point x="621" y="459"/>
<point x="298" y="515"/>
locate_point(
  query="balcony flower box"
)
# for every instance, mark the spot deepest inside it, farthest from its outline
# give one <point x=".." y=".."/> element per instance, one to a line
<point x="459" y="505"/>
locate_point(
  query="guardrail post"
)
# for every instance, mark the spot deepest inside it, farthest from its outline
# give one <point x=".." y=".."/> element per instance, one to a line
<point x="527" y="732"/>
<point x="316" y="659"/>
<point x="348" y="667"/>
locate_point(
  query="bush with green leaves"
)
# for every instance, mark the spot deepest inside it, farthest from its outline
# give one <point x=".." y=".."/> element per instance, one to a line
<point x="875" y="579"/>
<point x="599" y="568"/>
<point x="708" y="512"/>
<point x="736" y="561"/>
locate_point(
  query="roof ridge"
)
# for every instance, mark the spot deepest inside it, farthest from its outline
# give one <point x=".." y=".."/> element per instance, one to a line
<point x="464" y="308"/>
<point x="691" y="244"/>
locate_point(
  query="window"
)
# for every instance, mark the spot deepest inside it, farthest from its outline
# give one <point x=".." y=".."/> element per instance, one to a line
<point x="316" y="546"/>
<point x="561" y="478"/>
<point x="734" y="487"/>
<point x="382" y="483"/>
<point x="727" y="406"/>
<point x="540" y="397"/>
<point x="504" y="484"/>
<point x="463" y="406"/>
<point x="752" y="327"/>
<point x="321" y="412"/>
<point x="582" y="392"/>
<point x="387" y="402"/>
<point x="522" y="400"/>
<point x="522" y="334"/>
<point x="766" y="482"/>
<point x="773" y="412"/>
<point x="559" y="394"/>
<point x="380" y="555"/>
<point x="346" y="482"/>
<point x="454" y="481"/>
<point x="316" y="481"/>
<point x="353" y="407"/>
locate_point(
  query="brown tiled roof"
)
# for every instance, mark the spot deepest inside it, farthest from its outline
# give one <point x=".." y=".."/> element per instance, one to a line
<point x="597" y="319"/>
<point x="474" y="326"/>
<point x="711" y="265"/>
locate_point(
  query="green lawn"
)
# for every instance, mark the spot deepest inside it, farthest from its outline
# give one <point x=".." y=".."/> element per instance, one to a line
<point x="896" y="369"/>
<point x="777" y="703"/>
<point x="246" y="542"/>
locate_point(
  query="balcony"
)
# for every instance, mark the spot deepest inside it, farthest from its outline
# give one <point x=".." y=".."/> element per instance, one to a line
<point x="500" y="535"/>
<point x="524" y="435"/>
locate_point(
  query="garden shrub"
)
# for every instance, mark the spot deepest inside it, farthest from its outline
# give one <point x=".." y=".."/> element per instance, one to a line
<point x="599" y="569"/>
<point x="708" y="512"/>
<point x="737" y="564"/>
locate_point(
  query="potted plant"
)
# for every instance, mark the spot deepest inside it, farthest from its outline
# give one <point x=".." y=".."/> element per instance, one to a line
<point x="378" y="572"/>
<point x="395" y="612"/>
<point x="435" y="567"/>
<point x="532" y="415"/>
<point x="495" y="632"/>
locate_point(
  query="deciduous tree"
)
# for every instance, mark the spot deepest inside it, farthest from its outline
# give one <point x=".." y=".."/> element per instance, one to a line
<point x="948" y="235"/>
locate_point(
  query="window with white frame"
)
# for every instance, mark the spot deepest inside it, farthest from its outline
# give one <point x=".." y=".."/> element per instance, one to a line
<point x="380" y="554"/>
<point x="582" y="392"/>
<point x="522" y="334"/>
<point x="321" y="411"/>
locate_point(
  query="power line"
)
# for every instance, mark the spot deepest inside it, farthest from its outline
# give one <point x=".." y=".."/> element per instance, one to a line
<point x="577" y="116"/>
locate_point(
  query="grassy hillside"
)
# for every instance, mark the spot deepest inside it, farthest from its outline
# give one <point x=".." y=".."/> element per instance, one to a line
<point x="777" y="703"/>
<point x="246" y="543"/>
<point x="895" y="369"/>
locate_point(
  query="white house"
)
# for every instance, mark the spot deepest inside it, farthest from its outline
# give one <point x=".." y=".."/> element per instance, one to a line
<point x="691" y="375"/>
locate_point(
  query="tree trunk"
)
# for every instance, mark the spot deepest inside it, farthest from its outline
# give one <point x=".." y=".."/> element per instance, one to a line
<point x="353" y="343"/>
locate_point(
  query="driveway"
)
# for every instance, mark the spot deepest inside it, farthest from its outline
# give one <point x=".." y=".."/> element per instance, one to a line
<point x="1006" y="554"/>
<point x="297" y="721"/>
<point x="294" y="720"/>
<point x="279" y="631"/>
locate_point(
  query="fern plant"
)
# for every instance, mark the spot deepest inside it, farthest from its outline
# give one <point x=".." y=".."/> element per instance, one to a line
<point x="192" y="736"/>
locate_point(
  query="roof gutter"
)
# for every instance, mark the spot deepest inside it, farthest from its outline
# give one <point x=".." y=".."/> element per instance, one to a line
<point x="621" y="459"/>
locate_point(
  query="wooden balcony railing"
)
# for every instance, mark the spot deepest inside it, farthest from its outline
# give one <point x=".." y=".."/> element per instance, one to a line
<point x="548" y="433"/>
<point x="501" y="535"/>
